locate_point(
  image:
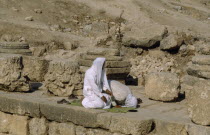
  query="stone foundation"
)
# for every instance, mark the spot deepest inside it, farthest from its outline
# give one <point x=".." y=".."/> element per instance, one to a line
<point x="38" y="114"/>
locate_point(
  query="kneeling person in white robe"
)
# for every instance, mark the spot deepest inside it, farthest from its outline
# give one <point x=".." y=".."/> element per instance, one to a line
<point x="95" y="82"/>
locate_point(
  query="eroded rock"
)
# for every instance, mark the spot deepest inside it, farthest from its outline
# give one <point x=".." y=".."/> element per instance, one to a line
<point x="63" y="77"/>
<point x="162" y="86"/>
<point x="171" y="42"/>
<point x="199" y="103"/>
<point x="11" y="78"/>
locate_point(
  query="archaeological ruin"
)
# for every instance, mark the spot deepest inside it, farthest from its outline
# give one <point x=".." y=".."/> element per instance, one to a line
<point x="157" y="49"/>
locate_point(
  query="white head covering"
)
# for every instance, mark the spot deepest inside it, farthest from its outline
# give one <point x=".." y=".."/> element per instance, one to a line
<point x="131" y="101"/>
<point x="97" y="67"/>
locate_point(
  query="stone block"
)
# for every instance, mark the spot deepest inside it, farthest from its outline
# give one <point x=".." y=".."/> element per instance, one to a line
<point x="104" y="52"/>
<point x="13" y="124"/>
<point x="63" y="77"/>
<point x="11" y="78"/>
<point x="16" y="104"/>
<point x="67" y="113"/>
<point x="171" y="42"/>
<point x="35" y="68"/>
<point x="145" y="37"/>
<point x="201" y="60"/>
<point x="199" y="103"/>
<point x="162" y="86"/>
<point x="38" y="126"/>
<point x="61" y="129"/>
<point x="202" y="71"/>
<point x="132" y="126"/>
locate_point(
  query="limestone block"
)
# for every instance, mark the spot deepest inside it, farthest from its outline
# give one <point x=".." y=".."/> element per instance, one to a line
<point x="132" y="126"/>
<point x="202" y="71"/>
<point x="35" y="68"/>
<point x="38" y="126"/>
<point x="98" y="132"/>
<point x="11" y="78"/>
<point x="145" y="37"/>
<point x="199" y="103"/>
<point x="13" y="124"/>
<point x="81" y="130"/>
<point x="203" y="48"/>
<point x="61" y="129"/>
<point x="104" y="52"/>
<point x="169" y="128"/>
<point x="162" y="86"/>
<point x="201" y="60"/>
<point x="171" y="42"/>
<point x="62" y="77"/>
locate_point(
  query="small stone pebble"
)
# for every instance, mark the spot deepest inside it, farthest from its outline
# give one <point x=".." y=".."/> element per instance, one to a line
<point x="38" y="11"/>
<point x="29" y="18"/>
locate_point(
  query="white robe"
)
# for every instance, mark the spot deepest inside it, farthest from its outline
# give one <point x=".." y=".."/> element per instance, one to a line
<point x="94" y="82"/>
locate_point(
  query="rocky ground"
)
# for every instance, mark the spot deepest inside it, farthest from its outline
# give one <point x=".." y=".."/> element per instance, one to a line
<point x="161" y="45"/>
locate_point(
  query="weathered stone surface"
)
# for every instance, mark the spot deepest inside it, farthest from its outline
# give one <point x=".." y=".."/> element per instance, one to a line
<point x="61" y="128"/>
<point x="11" y="78"/>
<point x="146" y="37"/>
<point x="201" y="60"/>
<point x="62" y="77"/>
<point x="202" y="71"/>
<point x="120" y="91"/>
<point x="14" y="45"/>
<point x="203" y="48"/>
<point x="109" y="64"/>
<point x="83" y="69"/>
<point x="108" y="58"/>
<point x="38" y="126"/>
<point x="104" y="52"/>
<point x="98" y="132"/>
<point x="199" y="103"/>
<point x="171" y="42"/>
<point x="187" y="84"/>
<point x="74" y="114"/>
<point x="162" y="86"/>
<point x="81" y="130"/>
<point x="167" y="128"/>
<point x="16" y="51"/>
<point x="13" y="124"/>
<point x="16" y="104"/>
<point x="38" y="50"/>
<point x="132" y="126"/>
<point x="104" y="120"/>
<point x="35" y="68"/>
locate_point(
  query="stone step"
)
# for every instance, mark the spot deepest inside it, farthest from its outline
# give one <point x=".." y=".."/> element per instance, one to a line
<point x="83" y="69"/>
<point x="104" y="52"/>
<point x="202" y="71"/>
<point x="201" y="59"/>
<point x="109" y="64"/>
<point x="108" y="58"/>
<point x="16" y="51"/>
<point x="14" y="45"/>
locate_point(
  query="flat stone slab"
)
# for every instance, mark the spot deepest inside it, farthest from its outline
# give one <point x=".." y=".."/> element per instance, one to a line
<point x="108" y="58"/>
<point x="109" y="64"/>
<point x="201" y="59"/>
<point x="104" y="52"/>
<point x="14" y="45"/>
<point x="16" y="51"/>
<point x="83" y="69"/>
<point x="163" y="115"/>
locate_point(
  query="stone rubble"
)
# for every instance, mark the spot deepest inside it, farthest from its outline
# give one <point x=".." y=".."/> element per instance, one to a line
<point x="63" y="77"/>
